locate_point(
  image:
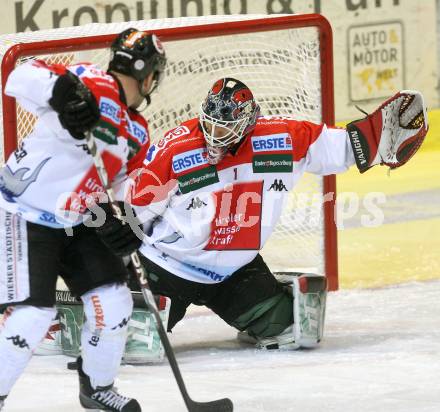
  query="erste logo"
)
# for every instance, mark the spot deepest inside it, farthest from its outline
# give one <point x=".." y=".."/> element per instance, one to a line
<point x="272" y="143"/>
<point x="189" y="160"/>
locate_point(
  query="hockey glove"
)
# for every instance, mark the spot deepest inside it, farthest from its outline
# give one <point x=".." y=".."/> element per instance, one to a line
<point x="392" y="134"/>
<point x="75" y="104"/>
<point x="122" y="237"/>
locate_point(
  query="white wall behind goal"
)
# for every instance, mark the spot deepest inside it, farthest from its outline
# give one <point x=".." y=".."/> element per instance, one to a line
<point x="380" y="46"/>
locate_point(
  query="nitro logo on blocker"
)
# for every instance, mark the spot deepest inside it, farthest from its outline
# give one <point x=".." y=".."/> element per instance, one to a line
<point x="189" y="160"/>
<point x="272" y="143"/>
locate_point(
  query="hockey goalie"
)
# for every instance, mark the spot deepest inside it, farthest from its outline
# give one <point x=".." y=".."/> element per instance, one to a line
<point x="211" y="192"/>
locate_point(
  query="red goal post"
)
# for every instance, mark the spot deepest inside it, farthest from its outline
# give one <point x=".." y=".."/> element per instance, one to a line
<point x="295" y="79"/>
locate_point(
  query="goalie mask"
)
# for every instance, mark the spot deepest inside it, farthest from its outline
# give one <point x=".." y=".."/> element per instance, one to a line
<point x="227" y="115"/>
<point x="137" y="54"/>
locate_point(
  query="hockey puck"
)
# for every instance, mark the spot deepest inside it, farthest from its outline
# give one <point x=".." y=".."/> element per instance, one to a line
<point x="73" y="366"/>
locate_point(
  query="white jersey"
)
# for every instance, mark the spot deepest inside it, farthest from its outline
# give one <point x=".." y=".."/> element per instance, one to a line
<point x="48" y="178"/>
<point x="204" y="222"/>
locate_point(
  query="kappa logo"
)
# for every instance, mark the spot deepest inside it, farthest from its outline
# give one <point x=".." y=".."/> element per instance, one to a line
<point x="123" y="323"/>
<point x="17" y="341"/>
<point x="278" y="186"/>
<point x="272" y="143"/>
<point x="196" y="203"/>
<point x="189" y="160"/>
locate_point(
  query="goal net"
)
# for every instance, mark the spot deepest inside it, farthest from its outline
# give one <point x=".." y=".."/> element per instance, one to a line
<point x="285" y="60"/>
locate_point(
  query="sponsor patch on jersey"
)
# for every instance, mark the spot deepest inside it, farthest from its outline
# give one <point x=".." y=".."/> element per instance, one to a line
<point x="172" y="134"/>
<point x="137" y="131"/>
<point x="236" y="224"/>
<point x="208" y="273"/>
<point x="189" y="160"/>
<point x="110" y="109"/>
<point x="47" y="217"/>
<point x="198" y="179"/>
<point x="106" y="132"/>
<point x="274" y="163"/>
<point x="272" y="143"/>
<point x="133" y="148"/>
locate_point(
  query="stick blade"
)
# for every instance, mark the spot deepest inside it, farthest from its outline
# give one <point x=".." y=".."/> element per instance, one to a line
<point x="220" y="405"/>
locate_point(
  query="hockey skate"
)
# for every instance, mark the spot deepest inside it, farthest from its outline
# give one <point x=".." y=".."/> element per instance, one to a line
<point x="103" y="398"/>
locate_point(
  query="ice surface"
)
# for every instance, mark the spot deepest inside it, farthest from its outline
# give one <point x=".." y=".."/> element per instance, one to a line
<point x="381" y="353"/>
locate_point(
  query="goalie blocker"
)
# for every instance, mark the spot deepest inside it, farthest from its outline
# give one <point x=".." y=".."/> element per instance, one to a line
<point x="392" y="134"/>
<point x="143" y="342"/>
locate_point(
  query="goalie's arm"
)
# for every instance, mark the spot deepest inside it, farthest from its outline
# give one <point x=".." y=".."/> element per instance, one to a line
<point x="319" y="149"/>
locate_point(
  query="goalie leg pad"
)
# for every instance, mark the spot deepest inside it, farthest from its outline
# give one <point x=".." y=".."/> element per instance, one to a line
<point x="143" y="341"/>
<point x="309" y="293"/>
<point x="309" y="301"/>
<point x="267" y="318"/>
<point x="51" y="344"/>
<point x="71" y="315"/>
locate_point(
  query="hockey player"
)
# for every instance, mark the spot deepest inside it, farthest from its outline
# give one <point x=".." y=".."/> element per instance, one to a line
<point x="211" y="193"/>
<point x="46" y="187"/>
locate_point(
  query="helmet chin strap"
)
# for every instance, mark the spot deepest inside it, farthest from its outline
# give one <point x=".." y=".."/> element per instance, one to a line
<point x="146" y="95"/>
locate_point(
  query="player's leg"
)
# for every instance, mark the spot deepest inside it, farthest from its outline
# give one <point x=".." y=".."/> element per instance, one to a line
<point x="181" y="292"/>
<point x="94" y="273"/>
<point x="253" y="300"/>
<point x="34" y="250"/>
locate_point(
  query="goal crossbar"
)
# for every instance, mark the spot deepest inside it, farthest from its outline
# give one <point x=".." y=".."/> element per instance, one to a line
<point x="216" y="29"/>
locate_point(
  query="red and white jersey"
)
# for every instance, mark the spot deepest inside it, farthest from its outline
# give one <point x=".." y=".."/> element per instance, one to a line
<point x="48" y="178"/>
<point x="202" y="221"/>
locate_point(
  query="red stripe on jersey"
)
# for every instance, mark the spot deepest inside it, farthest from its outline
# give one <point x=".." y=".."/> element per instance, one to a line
<point x="91" y="184"/>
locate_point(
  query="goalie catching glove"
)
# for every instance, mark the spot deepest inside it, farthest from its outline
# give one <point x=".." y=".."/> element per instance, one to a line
<point x="75" y="104"/>
<point x="392" y="134"/>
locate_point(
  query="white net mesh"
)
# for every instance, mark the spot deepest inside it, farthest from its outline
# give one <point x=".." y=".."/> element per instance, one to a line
<point x="281" y="67"/>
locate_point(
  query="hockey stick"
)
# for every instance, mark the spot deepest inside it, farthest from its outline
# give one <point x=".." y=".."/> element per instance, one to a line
<point x="219" y="405"/>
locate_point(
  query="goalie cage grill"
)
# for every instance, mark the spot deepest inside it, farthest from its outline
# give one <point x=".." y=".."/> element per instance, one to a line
<point x="285" y="60"/>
